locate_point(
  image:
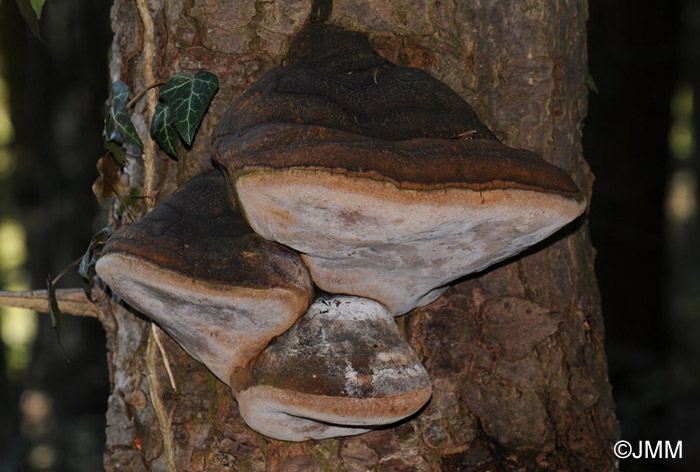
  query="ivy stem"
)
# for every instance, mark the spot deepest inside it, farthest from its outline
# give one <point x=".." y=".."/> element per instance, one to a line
<point x="67" y="268"/>
<point x="138" y="96"/>
<point x="121" y="200"/>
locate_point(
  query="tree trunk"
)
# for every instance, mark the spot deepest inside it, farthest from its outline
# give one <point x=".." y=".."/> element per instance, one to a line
<point x="515" y="354"/>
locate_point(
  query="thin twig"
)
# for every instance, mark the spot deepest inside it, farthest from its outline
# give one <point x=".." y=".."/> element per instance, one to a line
<point x="166" y="361"/>
<point x="71" y="300"/>
<point x="158" y="407"/>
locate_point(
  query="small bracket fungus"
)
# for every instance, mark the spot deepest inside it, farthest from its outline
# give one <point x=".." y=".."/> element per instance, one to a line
<point x="382" y="176"/>
<point x="342" y="369"/>
<point x="195" y="267"/>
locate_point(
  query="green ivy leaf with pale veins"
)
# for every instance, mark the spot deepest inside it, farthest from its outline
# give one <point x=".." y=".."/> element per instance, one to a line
<point x="188" y="98"/>
<point x="163" y="129"/>
<point x="118" y="123"/>
<point x="120" y="93"/>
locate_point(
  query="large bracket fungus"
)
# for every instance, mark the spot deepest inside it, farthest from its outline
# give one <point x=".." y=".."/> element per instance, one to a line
<point x="382" y="176"/>
<point x="382" y="182"/>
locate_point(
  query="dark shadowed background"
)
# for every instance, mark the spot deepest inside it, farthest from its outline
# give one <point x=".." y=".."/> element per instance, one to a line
<point x="639" y="139"/>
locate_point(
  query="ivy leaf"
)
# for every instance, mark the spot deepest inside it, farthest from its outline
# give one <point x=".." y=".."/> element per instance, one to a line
<point x="120" y="93"/>
<point x="28" y="12"/>
<point x="118" y="124"/>
<point x="37" y="6"/>
<point x="57" y="319"/>
<point x="119" y="98"/>
<point x="188" y="98"/>
<point x="117" y="152"/>
<point x="123" y="130"/>
<point x="163" y="129"/>
<point x="591" y="83"/>
<point x="113" y="147"/>
<point x="86" y="269"/>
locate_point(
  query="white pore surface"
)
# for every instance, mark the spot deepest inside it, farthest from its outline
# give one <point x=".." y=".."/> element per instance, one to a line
<point x="222" y="327"/>
<point x="346" y="308"/>
<point x="372" y="239"/>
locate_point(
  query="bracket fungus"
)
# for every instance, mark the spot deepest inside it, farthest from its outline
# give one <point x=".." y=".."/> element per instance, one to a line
<point x="382" y="177"/>
<point x="342" y="369"/>
<point x="195" y="267"/>
<point x="374" y="181"/>
<point x="233" y="301"/>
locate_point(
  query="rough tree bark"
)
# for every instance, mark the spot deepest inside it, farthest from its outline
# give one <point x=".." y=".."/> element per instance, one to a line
<point x="515" y="354"/>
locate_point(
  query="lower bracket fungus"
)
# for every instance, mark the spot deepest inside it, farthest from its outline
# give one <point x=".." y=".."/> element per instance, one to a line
<point x="342" y="369"/>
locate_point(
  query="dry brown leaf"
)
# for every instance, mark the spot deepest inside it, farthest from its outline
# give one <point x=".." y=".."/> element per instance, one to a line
<point x="109" y="183"/>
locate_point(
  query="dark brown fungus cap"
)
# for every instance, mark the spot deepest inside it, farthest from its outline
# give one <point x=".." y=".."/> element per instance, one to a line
<point x="336" y="80"/>
<point x="195" y="267"/>
<point x="382" y="176"/>
<point x="341" y="370"/>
